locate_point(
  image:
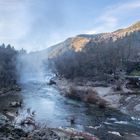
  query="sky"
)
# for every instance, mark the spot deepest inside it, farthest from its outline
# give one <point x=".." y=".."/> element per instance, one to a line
<point x="37" y="24"/>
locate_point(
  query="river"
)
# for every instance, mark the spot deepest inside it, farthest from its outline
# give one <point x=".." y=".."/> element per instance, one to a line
<point x="54" y="110"/>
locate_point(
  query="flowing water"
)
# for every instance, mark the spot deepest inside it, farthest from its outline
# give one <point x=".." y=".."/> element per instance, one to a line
<point x="54" y="110"/>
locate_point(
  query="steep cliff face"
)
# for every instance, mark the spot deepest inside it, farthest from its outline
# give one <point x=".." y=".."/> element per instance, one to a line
<point x="78" y="43"/>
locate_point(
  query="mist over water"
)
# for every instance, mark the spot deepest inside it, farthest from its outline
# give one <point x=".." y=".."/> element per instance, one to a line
<point x="92" y="49"/>
<point x="31" y="68"/>
<point x="55" y="110"/>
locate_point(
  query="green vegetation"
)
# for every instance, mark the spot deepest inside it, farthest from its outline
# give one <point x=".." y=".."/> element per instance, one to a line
<point x="135" y="73"/>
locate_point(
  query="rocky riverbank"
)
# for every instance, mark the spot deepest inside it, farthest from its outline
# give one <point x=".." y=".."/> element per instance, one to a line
<point x="28" y="129"/>
<point x="10" y="131"/>
<point x="9" y="90"/>
<point x="10" y="102"/>
<point x="100" y="93"/>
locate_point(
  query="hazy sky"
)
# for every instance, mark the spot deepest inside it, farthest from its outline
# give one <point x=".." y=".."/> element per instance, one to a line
<point x="37" y="24"/>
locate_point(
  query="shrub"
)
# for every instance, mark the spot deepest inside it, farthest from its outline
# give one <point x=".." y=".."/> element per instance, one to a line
<point x="73" y="93"/>
<point x="90" y="96"/>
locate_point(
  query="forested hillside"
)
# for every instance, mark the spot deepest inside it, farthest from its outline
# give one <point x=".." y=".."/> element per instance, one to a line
<point x="101" y="55"/>
<point x="8" y="75"/>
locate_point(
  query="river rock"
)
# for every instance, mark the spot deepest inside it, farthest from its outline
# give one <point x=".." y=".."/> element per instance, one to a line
<point x="15" y="104"/>
<point x="78" y="138"/>
<point x="43" y="134"/>
<point x="137" y="107"/>
<point x="3" y="119"/>
<point x="10" y="115"/>
<point x="70" y="133"/>
<point x="52" y="82"/>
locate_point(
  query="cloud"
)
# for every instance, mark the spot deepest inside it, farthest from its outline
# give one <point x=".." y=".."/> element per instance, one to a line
<point x="34" y="24"/>
<point x="111" y="18"/>
<point x="46" y="19"/>
<point x="13" y="15"/>
<point x="123" y="7"/>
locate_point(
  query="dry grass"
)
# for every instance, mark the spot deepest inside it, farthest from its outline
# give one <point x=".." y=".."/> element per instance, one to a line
<point x="90" y="96"/>
<point x="79" y="43"/>
<point x="73" y="93"/>
<point x="86" y="94"/>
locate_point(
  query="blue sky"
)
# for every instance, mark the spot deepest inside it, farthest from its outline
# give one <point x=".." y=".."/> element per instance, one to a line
<point x="37" y="24"/>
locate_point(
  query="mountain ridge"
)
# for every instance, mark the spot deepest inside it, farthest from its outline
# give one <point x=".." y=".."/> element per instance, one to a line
<point x="79" y="42"/>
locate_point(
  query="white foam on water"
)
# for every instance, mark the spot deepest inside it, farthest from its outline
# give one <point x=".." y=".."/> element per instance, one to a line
<point x="134" y="118"/>
<point x="115" y="133"/>
<point x="113" y="119"/>
<point x="121" y="122"/>
<point x="107" y="123"/>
